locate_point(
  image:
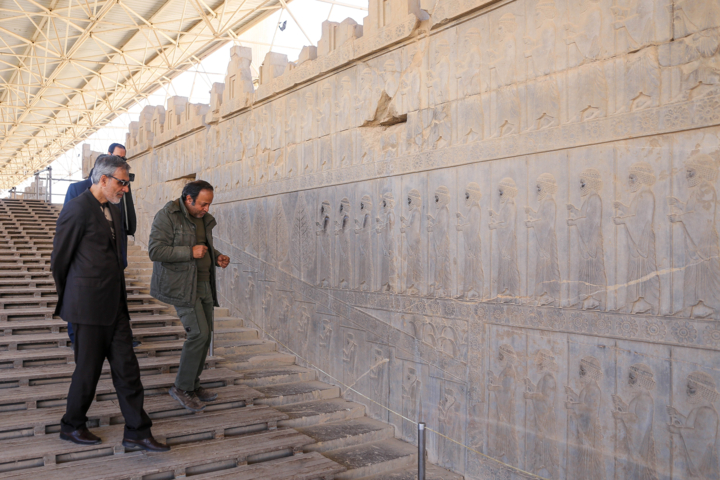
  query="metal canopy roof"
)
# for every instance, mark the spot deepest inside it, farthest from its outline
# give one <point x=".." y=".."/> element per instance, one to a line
<point x="68" y="67"/>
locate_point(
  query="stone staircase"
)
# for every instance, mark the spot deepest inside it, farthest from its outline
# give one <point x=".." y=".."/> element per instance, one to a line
<point x="273" y="419"/>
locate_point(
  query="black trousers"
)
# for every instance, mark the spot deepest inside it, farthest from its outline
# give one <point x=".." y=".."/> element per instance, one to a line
<point x="93" y="344"/>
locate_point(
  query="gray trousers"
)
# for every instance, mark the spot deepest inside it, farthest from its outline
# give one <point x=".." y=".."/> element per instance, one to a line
<point x="198" y="323"/>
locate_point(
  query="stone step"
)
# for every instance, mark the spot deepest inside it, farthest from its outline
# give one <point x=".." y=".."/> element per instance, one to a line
<point x="348" y="433"/>
<point x="181" y="461"/>
<point x="432" y="472"/>
<point x="320" y="411"/>
<point x="45" y="340"/>
<point x="41" y="450"/>
<point x="242" y="347"/>
<point x="373" y="458"/>
<point x="221" y="312"/>
<point x="308" y="466"/>
<point x="274" y="376"/>
<point x="230" y="336"/>
<point x="288" y="393"/>
<point x="227" y="322"/>
<point x="51" y="395"/>
<point x="253" y="361"/>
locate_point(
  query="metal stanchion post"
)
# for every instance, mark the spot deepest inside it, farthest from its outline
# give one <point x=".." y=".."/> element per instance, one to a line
<point x="49" y="185"/>
<point x="421" y="451"/>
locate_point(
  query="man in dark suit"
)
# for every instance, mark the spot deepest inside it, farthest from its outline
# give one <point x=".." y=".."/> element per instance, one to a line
<point x="87" y="267"/>
<point x="127" y="211"/>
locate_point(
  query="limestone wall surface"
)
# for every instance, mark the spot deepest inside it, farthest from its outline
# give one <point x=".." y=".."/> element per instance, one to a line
<point x="495" y="217"/>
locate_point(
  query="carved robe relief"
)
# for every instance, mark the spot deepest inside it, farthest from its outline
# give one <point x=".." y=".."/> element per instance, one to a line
<point x="308" y="121"/>
<point x="583" y="38"/>
<point x="411" y="228"/>
<point x="503" y="221"/>
<point x="363" y="230"/>
<point x="325" y="252"/>
<point x="343" y="231"/>
<point x="591" y="282"/>
<point x="302" y="240"/>
<point x="390" y="76"/>
<point x="503" y="441"/>
<point x="543" y="396"/>
<point x="470" y="113"/>
<point x="643" y="283"/>
<point x="439" y="229"/>
<point x="363" y="101"/>
<point x="542" y="221"/>
<point x="349" y="357"/>
<point x="473" y="275"/>
<point x="696" y="219"/>
<point x="410" y="391"/>
<point x="439" y="74"/>
<point x="450" y="416"/>
<point x="698" y="431"/>
<point x="502" y="58"/>
<point x="385" y="228"/>
<point x="635" y="421"/>
<point x="410" y="84"/>
<point x="584" y="411"/>
<point x="544" y="107"/>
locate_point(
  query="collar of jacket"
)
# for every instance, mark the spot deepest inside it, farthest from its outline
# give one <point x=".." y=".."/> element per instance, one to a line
<point x="179" y="206"/>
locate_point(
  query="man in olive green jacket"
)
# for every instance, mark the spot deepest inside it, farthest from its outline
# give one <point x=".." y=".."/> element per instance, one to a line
<point x="184" y="261"/>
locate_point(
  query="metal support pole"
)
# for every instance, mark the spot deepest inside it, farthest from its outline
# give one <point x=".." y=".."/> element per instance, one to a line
<point x="49" y="184"/>
<point x="421" y="451"/>
<point x="212" y="342"/>
<point x="37" y="186"/>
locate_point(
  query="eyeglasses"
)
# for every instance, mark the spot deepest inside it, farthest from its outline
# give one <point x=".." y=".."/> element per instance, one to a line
<point x="123" y="183"/>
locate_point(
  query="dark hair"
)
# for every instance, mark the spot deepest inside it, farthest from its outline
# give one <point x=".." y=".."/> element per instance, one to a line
<point x="194" y="188"/>
<point x="113" y="146"/>
<point x="106" y="165"/>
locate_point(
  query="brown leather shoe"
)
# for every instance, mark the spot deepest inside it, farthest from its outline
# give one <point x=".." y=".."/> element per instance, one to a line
<point x="187" y="399"/>
<point x="81" y="436"/>
<point x="205" y="395"/>
<point x="149" y="444"/>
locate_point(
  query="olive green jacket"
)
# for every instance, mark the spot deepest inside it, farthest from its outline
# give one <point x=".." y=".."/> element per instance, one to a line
<point x="174" y="277"/>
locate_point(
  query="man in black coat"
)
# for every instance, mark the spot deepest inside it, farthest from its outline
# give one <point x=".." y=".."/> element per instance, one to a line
<point x="87" y="267"/>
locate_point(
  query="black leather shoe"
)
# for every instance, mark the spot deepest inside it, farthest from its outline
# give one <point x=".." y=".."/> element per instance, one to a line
<point x="81" y="437"/>
<point x="149" y="444"/>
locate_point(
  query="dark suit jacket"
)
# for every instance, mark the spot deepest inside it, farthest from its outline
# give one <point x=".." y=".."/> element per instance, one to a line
<point x="87" y="265"/>
<point x="77" y="188"/>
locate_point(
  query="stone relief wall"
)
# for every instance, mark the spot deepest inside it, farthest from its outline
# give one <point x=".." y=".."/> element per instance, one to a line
<point x="498" y="219"/>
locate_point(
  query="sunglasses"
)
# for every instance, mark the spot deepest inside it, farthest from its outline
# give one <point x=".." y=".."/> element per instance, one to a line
<point x="123" y="183"/>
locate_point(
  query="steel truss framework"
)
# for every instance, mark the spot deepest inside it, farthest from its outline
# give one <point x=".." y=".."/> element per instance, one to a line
<point x="68" y="67"/>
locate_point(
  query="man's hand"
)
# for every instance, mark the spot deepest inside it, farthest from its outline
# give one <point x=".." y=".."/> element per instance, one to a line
<point x="199" y="251"/>
<point x="223" y="261"/>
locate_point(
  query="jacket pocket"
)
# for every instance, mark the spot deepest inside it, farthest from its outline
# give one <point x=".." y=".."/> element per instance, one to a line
<point x="176" y="280"/>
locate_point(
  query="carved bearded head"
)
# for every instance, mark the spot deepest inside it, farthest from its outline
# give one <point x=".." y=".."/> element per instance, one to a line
<point x="388" y="202"/>
<point x="507" y="189"/>
<point x="700" y="167"/>
<point x="546" y="186"/>
<point x="545" y="11"/>
<point x="590" y="370"/>
<point x="506" y="27"/>
<point x="590" y="182"/>
<point x="545" y="361"/>
<point x="344" y="206"/>
<point x="640" y="376"/>
<point x="472" y="194"/>
<point x="365" y="204"/>
<point x="414" y="200"/>
<point x="506" y="355"/>
<point x="324" y="209"/>
<point x="701" y="388"/>
<point x="641" y="173"/>
<point x="442" y="197"/>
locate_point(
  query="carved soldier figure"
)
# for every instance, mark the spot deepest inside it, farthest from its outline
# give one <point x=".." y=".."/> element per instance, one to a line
<point x="363" y="102"/>
<point x="643" y="283"/>
<point x="451" y="423"/>
<point x="698" y="431"/>
<point x="547" y="272"/>
<point x="308" y="134"/>
<point x="585" y="411"/>
<point x="363" y="228"/>
<point x="545" y="453"/>
<point x="636" y="422"/>
<point x="439" y="228"/>
<point x="410" y="84"/>
<point x="591" y="87"/>
<point x="324" y="119"/>
<point x="702" y="246"/>
<point x="505" y="446"/>
<point x="342" y="231"/>
<point x="390" y="77"/>
<point x="592" y="281"/>
<point x="410" y="388"/>
<point x="385" y="228"/>
<point x="325" y="253"/>
<point x="439" y="74"/>
<point x="502" y="67"/>
<point x="545" y="104"/>
<point x="411" y="229"/>
<point x="343" y="105"/>
<point x="350" y="355"/>
<point x="473" y="275"/>
<point x="508" y="276"/>
<point x="470" y="113"/>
